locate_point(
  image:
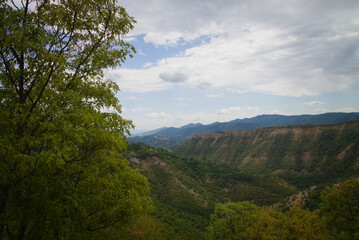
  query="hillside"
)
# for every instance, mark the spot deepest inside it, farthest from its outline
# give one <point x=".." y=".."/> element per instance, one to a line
<point x="186" y="190"/>
<point x="279" y="166"/>
<point x="299" y="154"/>
<point x="170" y="138"/>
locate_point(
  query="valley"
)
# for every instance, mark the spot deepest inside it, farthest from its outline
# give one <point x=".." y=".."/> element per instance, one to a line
<point x="277" y="166"/>
<point x="186" y="190"/>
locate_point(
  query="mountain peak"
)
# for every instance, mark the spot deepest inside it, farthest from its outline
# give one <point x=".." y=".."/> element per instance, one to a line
<point x="191" y="125"/>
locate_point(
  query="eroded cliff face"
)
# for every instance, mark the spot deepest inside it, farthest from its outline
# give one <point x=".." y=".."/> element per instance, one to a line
<point x="302" y="149"/>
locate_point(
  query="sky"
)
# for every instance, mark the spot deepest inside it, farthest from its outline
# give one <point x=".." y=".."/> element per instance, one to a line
<point x="203" y="61"/>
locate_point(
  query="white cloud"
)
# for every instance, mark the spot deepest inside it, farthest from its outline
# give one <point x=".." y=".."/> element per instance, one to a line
<point x="204" y="85"/>
<point x="280" y="112"/>
<point x="176" y="77"/>
<point x="343" y="109"/>
<point x="158" y="115"/>
<point x="243" y="111"/>
<point x="263" y="60"/>
<point x="229" y="110"/>
<point x="252" y="108"/>
<point x="170" y="22"/>
<point x="262" y="46"/>
<point x="320" y="110"/>
<point x="137" y="80"/>
<point x="313" y="103"/>
<point x="346" y="109"/>
<point x="130" y="38"/>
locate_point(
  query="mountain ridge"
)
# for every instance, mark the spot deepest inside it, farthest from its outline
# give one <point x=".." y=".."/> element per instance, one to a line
<point x="171" y="137"/>
<point x="289" y="151"/>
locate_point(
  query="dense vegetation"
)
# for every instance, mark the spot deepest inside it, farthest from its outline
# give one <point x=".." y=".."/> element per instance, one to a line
<point x="62" y="172"/>
<point x="159" y="141"/>
<point x="303" y="155"/>
<point x="186" y="190"/>
<point x="337" y="218"/>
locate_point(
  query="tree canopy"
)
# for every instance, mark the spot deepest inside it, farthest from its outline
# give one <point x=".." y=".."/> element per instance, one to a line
<point x="337" y="218"/>
<point x="245" y="220"/>
<point x="62" y="173"/>
<point x="340" y="209"/>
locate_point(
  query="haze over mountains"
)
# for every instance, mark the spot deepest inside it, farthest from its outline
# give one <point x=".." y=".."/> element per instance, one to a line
<point x="171" y="137"/>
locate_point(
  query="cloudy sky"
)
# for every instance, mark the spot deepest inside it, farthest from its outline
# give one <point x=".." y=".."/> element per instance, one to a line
<point x="218" y="60"/>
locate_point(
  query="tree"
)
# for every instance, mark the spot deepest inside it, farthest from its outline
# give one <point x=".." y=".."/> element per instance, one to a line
<point x="340" y="209"/>
<point x="228" y="219"/>
<point x="244" y="220"/>
<point x="302" y="224"/>
<point x="62" y="172"/>
<point x="148" y="228"/>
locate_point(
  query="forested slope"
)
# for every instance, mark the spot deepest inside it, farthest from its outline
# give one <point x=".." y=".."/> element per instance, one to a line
<point x="312" y="152"/>
<point x="289" y="165"/>
<point x="186" y="190"/>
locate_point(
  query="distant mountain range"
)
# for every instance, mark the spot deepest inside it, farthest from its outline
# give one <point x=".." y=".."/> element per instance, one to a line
<point x="171" y="137"/>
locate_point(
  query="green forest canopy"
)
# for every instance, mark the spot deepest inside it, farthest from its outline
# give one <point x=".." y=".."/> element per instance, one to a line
<point x="337" y="218"/>
<point x="61" y="173"/>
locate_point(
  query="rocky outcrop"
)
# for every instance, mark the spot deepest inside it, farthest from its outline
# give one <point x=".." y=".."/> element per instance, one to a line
<point x="301" y="148"/>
